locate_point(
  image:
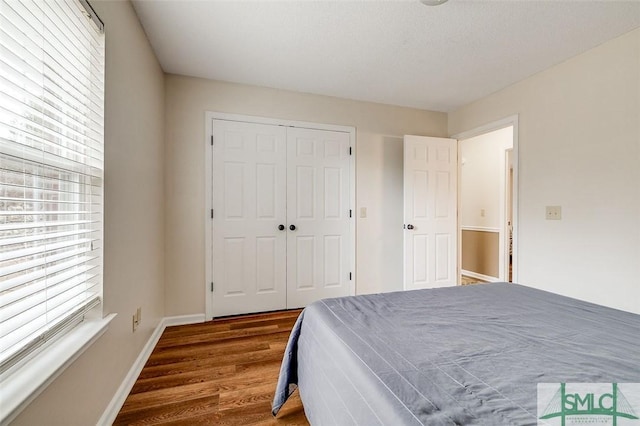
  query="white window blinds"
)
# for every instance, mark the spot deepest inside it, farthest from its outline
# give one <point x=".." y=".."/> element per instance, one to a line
<point x="51" y="170"/>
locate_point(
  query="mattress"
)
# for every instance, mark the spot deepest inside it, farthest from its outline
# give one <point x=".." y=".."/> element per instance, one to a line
<point x="470" y="355"/>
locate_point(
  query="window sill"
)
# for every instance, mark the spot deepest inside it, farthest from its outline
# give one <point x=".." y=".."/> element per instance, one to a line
<point x="21" y="387"/>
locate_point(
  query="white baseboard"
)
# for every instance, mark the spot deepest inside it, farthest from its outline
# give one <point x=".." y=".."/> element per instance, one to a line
<point x="183" y="319"/>
<point x="110" y="414"/>
<point x="480" y="276"/>
<point x="480" y="229"/>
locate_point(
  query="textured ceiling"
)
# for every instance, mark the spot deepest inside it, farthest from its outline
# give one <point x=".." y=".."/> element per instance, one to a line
<point x="394" y="52"/>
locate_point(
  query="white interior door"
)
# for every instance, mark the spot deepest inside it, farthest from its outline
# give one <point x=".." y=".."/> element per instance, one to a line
<point x="249" y="260"/>
<point x="318" y="241"/>
<point x="430" y="212"/>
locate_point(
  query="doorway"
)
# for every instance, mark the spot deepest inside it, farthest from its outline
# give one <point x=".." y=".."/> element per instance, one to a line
<point x="487" y="223"/>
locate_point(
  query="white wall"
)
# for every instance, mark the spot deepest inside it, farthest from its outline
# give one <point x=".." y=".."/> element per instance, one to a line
<point x="378" y="175"/>
<point x="134" y="226"/>
<point x="379" y="187"/>
<point x="482" y="178"/>
<point x="579" y="147"/>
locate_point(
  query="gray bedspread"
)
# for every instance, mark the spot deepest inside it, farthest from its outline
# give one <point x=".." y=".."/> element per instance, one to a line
<point x="468" y="355"/>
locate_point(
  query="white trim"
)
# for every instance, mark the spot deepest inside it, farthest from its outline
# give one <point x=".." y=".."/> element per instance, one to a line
<point x="507" y="203"/>
<point x="352" y="204"/>
<point x="513" y="121"/>
<point x="183" y="320"/>
<point x="208" y="221"/>
<point x="479" y="228"/>
<point x="21" y="388"/>
<point x="209" y="116"/>
<point x="112" y="410"/>
<point x="480" y="276"/>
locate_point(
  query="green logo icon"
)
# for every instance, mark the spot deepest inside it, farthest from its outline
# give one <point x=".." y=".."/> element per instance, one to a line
<point x="587" y="404"/>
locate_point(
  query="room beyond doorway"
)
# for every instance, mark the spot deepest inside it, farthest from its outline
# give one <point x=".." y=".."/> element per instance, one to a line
<point x="487" y="203"/>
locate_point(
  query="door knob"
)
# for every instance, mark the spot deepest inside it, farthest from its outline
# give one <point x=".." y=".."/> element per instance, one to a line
<point x="409" y="226"/>
<point x="281" y="227"/>
<point x="292" y="227"/>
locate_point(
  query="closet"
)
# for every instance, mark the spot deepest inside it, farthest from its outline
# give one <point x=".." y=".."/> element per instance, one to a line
<point x="282" y="216"/>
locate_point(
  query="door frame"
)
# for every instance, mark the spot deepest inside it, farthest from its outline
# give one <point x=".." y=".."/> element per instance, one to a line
<point x="209" y="116"/>
<point x="508" y="179"/>
<point x="512" y="121"/>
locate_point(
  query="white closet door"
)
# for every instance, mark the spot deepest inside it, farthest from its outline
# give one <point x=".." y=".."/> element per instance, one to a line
<point x="318" y="248"/>
<point x="430" y="212"/>
<point x="249" y="251"/>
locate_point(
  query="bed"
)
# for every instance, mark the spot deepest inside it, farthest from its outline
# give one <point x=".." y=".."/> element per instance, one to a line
<point x="470" y="355"/>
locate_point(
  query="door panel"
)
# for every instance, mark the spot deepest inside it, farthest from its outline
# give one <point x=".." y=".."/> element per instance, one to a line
<point x="318" y="206"/>
<point x="305" y="192"/>
<point x="443" y="257"/>
<point x="430" y="212"/>
<point x="249" y="252"/>
<point x="266" y="262"/>
<point x="420" y="192"/>
<point x="234" y="259"/>
<point x="420" y="251"/>
<point x="305" y="260"/>
<point x="332" y="190"/>
<point x="234" y="182"/>
<point x="266" y="191"/>
<point x="332" y="258"/>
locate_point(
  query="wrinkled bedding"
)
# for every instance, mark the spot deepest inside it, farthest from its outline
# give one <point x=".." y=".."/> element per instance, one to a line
<point x="469" y="355"/>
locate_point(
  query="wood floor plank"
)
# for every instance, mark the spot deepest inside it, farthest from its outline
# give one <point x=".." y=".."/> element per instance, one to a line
<point x="221" y="335"/>
<point x="170" y="412"/>
<point x="239" y="322"/>
<point x="159" y="397"/>
<point x="240" y="379"/>
<point x="218" y="342"/>
<point x="221" y="372"/>
<point x="188" y="377"/>
<point x="232" y="359"/>
<point x="219" y="324"/>
<point x="245" y="397"/>
<point x="193" y="352"/>
<point x="281" y="322"/>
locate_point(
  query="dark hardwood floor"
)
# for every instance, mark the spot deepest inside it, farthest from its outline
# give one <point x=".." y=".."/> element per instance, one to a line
<point x="221" y="372"/>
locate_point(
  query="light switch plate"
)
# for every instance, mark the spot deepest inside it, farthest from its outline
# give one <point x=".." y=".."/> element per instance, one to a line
<point x="363" y="212"/>
<point x="553" y="213"/>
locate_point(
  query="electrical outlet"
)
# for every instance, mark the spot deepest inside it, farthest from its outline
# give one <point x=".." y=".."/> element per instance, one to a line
<point x="553" y="213"/>
<point x="482" y="212"/>
<point x="134" y="324"/>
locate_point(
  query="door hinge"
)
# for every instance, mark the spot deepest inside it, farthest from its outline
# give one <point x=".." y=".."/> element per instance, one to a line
<point x="349" y="276"/>
<point x="211" y="286"/>
<point x="211" y="213"/>
<point x="350" y="212"/>
<point x="211" y="140"/>
<point x="350" y="152"/>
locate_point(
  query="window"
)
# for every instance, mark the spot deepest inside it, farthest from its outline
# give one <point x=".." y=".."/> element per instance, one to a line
<point x="51" y="170"/>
